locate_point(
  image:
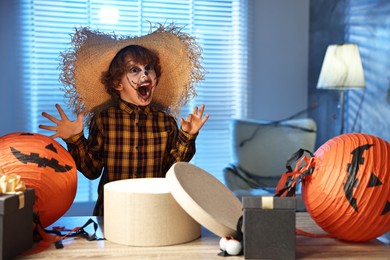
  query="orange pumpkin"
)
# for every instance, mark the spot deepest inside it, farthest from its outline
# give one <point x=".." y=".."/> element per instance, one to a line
<point x="348" y="194"/>
<point x="346" y="186"/>
<point x="44" y="165"/>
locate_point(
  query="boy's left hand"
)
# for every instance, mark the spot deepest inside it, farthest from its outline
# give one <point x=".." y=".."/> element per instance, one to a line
<point x="194" y="122"/>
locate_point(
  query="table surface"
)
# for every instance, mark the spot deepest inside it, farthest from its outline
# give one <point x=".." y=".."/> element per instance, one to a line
<point x="207" y="246"/>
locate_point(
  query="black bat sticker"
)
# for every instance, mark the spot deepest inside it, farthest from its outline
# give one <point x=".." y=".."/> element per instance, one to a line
<point x="353" y="168"/>
<point x="40" y="161"/>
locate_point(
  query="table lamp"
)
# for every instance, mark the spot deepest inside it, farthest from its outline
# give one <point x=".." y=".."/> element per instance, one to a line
<point x="341" y="70"/>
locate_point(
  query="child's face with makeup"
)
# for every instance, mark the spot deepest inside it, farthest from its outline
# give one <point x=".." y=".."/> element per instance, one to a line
<point x="138" y="83"/>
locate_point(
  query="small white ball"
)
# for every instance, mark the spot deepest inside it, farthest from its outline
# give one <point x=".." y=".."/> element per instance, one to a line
<point x="222" y="243"/>
<point x="233" y="247"/>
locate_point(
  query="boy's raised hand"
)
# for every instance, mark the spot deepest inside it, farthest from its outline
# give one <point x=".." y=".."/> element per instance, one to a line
<point x="64" y="127"/>
<point x="194" y="122"/>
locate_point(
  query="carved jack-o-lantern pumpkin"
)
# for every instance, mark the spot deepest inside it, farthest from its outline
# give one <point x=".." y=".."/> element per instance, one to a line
<point x="44" y="165"/>
<point x="348" y="193"/>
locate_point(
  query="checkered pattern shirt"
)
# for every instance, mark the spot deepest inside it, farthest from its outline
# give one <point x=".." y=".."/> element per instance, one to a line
<point x="127" y="141"/>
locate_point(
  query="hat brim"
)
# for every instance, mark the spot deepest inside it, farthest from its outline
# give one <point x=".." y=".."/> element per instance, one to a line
<point x="92" y="53"/>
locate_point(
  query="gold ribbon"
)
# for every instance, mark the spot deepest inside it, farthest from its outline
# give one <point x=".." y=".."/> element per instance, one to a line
<point x="11" y="184"/>
<point x="267" y="202"/>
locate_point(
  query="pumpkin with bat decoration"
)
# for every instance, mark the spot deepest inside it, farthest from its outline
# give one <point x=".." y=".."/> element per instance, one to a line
<point x="346" y="186"/>
<point x="44" y="165"/>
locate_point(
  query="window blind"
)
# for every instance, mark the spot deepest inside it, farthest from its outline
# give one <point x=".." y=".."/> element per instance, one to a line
<point x="220" y="27"/>
<point x="367" y="24"/>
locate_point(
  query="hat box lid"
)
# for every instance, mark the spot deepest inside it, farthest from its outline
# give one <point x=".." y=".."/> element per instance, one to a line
<point x="205" y="198"/>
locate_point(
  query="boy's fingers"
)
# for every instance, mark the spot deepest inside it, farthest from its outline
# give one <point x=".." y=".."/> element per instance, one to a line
<point x="201" y="110"/>
<point x="80" y="116"/>
<point x="195" y="110"/>
<point x="205" y="119"/>
<point x="50" y="117"/>
<point x="61" y="112"/>
<point x="50" y="128"/>
<point x="54" y="136"/>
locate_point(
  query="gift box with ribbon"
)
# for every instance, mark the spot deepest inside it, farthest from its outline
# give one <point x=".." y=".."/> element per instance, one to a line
<point x="16" y="216"/>
<point x="269" y="227"/>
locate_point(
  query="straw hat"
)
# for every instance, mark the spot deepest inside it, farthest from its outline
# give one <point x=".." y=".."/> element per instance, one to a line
<point x="91" y="55"/>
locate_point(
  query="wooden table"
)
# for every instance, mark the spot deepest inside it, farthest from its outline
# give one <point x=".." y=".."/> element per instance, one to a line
<point x="207" y="247"/>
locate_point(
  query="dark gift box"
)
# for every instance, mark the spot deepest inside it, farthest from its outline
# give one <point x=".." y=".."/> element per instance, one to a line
<point x="16" y="225"/>
<point x="269" y="227"/>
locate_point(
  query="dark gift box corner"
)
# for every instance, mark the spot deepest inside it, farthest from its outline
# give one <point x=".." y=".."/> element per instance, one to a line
<point x="269" y="227"/>
<point x="16" y="225"/>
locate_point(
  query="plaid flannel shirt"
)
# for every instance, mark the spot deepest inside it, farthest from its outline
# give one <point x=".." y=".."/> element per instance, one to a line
<point x="127" y="141"/>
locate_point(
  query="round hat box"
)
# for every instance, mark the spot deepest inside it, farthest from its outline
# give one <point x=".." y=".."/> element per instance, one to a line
<point x="142" y="212"/>
<point x="169" y="211"/>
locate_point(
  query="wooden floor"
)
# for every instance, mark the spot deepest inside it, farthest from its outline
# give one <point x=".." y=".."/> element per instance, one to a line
<point x="207" y="247"/>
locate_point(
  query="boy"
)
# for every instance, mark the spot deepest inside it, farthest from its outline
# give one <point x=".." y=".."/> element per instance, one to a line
<point x="130" y="135"/>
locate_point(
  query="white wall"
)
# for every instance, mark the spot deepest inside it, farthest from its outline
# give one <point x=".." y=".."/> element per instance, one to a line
<point x="11" y="114"/>
<point x="279" y="64"/>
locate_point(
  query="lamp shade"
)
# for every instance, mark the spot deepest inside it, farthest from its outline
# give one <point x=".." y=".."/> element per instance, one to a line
<point x="342" y="68"/>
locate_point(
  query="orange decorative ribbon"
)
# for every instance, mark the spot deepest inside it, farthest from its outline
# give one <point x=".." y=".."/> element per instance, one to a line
<point x="11" y="184"/>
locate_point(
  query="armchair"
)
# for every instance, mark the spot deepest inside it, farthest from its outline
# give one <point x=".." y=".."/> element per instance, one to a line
<point x="261" y="150"/>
